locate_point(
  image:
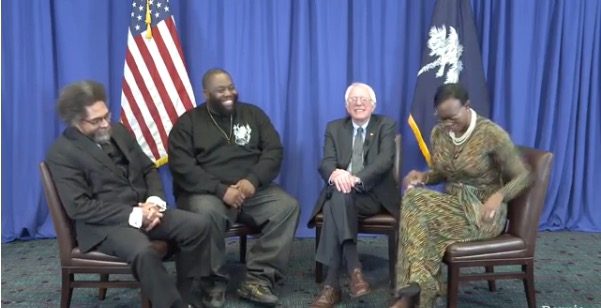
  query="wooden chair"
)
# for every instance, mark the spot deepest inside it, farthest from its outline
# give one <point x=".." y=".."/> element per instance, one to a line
<point x="515" y="246"/>
<point x="73" y="261"/>
<point x="383" y="223"/>
<point x="242" y="232"/>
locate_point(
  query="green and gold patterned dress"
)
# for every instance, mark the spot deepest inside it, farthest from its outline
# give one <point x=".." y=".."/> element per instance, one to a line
<point x="431" y="221"/>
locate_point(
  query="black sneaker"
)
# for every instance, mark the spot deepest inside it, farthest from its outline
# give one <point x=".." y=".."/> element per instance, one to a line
<point x="257" y="293"/>
<point x="213" y="298"/>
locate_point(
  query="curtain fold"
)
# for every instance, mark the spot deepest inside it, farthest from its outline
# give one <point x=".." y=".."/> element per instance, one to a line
<point x="28" y="92"/>
<point x="295" y="59"/>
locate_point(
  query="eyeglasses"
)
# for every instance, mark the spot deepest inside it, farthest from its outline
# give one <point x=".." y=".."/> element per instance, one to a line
<point x="355" y="99"/>
<point x="451" y="119"/>
<point x="98" y="121"/>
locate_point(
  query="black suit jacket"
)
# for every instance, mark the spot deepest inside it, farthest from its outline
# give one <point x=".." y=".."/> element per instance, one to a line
<point x="94" y="191"/>
<point x="379" y="152"/>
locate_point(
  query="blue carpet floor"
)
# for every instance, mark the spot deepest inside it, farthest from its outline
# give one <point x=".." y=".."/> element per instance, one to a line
<point x="568" y="274"/>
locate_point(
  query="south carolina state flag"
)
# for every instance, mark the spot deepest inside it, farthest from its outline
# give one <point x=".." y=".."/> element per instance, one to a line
<point x="451" y="55"/>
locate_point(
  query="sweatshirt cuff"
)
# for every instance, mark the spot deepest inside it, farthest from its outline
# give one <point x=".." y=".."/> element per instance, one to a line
<point x="253" y="179"/>
<point x="136" y="217"/>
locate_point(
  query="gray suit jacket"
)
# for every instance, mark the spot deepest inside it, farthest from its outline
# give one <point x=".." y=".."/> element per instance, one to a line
<point x="379" y="152"/>
<point x="96" y="194"/>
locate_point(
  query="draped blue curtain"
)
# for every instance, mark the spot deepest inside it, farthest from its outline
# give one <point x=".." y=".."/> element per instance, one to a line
<point x="295" y="59"/>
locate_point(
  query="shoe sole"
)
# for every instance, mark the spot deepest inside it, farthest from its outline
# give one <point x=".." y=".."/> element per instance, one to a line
<point x="254" y="301"/>
<point x="258" y="303"/>
<point x="360" y="294"/>
<point x="208" y="304"/>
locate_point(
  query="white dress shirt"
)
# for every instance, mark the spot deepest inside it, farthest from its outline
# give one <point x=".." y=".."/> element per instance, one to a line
<point x="136" y="217"/>
<point x="355" y="127"/>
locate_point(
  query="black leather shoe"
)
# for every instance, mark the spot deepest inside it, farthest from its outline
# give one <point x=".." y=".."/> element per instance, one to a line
<point x="257" y="293"/>
<point x="213" y="298"/>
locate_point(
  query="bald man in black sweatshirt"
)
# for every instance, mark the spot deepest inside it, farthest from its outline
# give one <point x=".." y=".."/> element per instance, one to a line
<point x="224" y="156"/>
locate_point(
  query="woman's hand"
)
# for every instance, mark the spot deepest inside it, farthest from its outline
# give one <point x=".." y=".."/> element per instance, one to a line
<point x="491" y="207"/>
<point x="414" y="178"/>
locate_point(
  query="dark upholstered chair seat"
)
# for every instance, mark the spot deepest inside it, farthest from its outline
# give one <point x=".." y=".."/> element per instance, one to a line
<point x="384" y="219"/>
<point x="95" y="258"/>
<point x="504" y="246"/>
<point x="238" y="229"/>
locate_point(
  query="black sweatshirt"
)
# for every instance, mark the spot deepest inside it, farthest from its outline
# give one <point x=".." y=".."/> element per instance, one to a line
<point x="203" y="162"/>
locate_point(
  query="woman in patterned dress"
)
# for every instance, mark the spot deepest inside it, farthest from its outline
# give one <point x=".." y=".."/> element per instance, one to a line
<point x="481" y="171"/>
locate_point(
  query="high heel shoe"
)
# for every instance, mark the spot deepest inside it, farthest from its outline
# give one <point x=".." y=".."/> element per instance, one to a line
<point x="411" y="289"/>
<point x="406" y="302"/>
<point x="407" y="297"/>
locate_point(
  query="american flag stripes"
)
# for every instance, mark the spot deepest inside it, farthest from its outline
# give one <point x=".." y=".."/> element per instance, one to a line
<point x="156" y="88"/>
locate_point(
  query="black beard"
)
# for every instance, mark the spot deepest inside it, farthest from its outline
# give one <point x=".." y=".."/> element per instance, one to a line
<point x="217" y="107"/>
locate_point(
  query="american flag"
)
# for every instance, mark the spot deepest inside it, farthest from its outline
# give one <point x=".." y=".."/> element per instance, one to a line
<point x="156" y="88"/>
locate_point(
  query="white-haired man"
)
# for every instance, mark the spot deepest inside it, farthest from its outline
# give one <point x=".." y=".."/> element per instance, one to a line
<point x="357" y="168"/>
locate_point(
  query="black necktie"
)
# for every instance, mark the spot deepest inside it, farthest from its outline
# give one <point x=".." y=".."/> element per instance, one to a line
<point x="357" y="160"/>
<point x="108" y="149"/>
<point x="118" y="158"/>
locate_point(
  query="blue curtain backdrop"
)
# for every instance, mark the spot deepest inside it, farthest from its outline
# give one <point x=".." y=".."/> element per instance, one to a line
<point x="295" y="59"/>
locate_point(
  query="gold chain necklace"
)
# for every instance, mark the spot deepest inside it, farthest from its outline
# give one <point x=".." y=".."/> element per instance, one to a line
<point x="228" y="138"/>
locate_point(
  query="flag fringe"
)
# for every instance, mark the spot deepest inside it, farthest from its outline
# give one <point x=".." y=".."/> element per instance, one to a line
<point x="420" y="140"/>
<point x="148" y="20"/>
<point x="161" y="161"/>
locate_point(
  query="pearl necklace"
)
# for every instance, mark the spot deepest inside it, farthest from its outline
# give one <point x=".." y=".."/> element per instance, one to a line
<point x="461" y="140"/>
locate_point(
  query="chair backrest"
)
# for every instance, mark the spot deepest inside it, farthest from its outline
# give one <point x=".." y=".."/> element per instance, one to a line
<point x="524" y="211"/>
<point x="63" y="225"/>
<point x="397" y="159"/>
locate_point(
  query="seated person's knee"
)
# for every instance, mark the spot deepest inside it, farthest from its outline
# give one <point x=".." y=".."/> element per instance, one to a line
<point x="289" y="207"/>
<point x="198" y="223"/>
<point x="145" y="251"/>
<point x="205" y="205"/>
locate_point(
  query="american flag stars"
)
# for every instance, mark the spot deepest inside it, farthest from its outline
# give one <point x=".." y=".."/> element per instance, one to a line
<point x="159" y="10"/>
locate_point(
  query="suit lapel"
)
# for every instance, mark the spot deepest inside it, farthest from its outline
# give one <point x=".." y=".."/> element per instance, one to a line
<point x="89" y="146"/>
<point x="370" y="133"/>
<point x="123" y="146"/>
<point x="347" y="143"/>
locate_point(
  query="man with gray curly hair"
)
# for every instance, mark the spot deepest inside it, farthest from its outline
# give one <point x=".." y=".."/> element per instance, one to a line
<point x="113" y="193"/>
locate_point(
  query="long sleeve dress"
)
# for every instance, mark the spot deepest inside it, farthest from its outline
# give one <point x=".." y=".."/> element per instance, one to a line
<point x="486" y="163"/>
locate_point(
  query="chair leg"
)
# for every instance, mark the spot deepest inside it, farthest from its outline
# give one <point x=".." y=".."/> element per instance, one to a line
<point x="392" y="254"/>
<point x="529" y="284"/>
<point x="452" y="285"/>
<point x="243" y="239"/>
<point x="102" y="291"/>
<point x="492" y="286"/>
<point x="66" y="289"/>
<point x="318" y="266"/>
<point x="145" y="301"/>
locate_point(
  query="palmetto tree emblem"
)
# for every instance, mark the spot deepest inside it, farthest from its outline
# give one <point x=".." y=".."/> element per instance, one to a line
<point x="447" y="50"/>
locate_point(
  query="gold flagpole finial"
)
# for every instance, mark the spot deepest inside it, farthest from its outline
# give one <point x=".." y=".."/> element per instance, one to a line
<point x="148" y="21"/>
